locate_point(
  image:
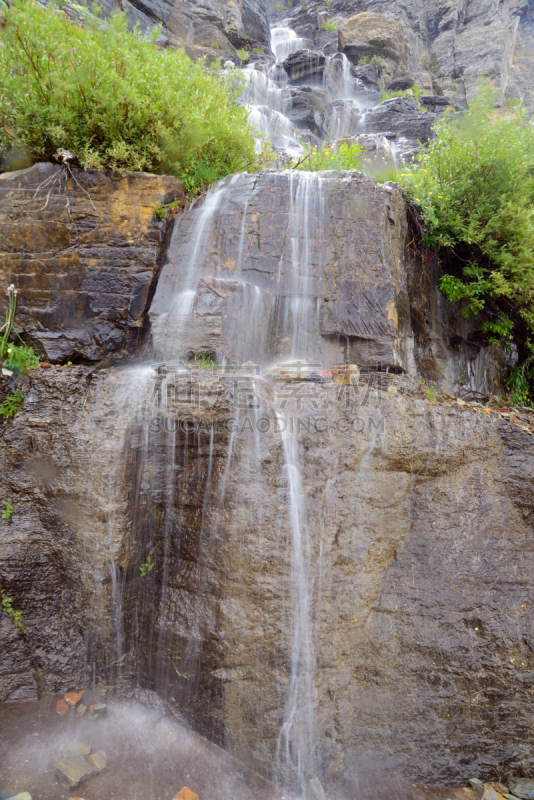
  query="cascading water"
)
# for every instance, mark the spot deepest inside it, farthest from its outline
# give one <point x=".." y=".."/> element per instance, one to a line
<point x="285" y="41"/>
<point x="175" y="446"/>
<point x="295" y="755"/>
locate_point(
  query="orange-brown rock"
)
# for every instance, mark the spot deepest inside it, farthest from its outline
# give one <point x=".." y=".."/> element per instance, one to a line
<point x="62" y="707"/>
<point x="185" y="794"/>
<point x="83" y="249"/>
<point x="73" y="698"/>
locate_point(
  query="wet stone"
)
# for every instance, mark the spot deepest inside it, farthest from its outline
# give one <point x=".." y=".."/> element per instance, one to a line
<point x="98" y="710"/>
<point x="314" y="790"/>
<point x="523" y="788"/>
<point x="62" y="707"/>
<point x="73" y="698"/>
<point x="81" y="710"/>
<point x="76" y="750"/>
<point x="21" y="796"/>
<point x="72" y="771"/>
<point x="99" y="760"/>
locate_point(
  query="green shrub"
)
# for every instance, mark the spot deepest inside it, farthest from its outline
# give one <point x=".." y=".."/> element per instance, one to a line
<point x="345" y="156"/>
<point x="329" y="25"/>
<point x="375" y="61"/>
<point x="116" y="99"/>
<point x="11" y="406"/>
<point x="474" y="188"/>
<point x="414" y="91"/>
<point x="244" y="55"/>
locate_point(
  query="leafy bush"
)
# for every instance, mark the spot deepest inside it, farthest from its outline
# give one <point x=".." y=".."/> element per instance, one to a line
<point x="375" y="61"/>
<point x="329" y="25"/>
<point x="345" y="156"/>
<point x="244" y="55"/>
<point x="115" y="99"/>
<point x="474" y="188"/>
<point x="414" y="91"/>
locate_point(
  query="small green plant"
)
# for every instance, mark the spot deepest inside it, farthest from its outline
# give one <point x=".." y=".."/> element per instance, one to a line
<point x="414" y="91"/>
<point x="345" y="156"/>
<point x="434" y="67"/>
<point x="329" y="25"/>
<point x="215" y="46"/>
<point x="7" y="607"/>
<point x="278" y="7"/>
<point x="7" y="511"/>
<point x="244" y="55"/>
<point x="520" y="382"/>
<point x="163" y="211"/>
<point x="202" y="361"/>
<point x="15" y="358"/>
<point x="12" y="405"/>
<point x="375" y="61"/>
<point x="431" y="393"/>
<point x="146" y="567"/>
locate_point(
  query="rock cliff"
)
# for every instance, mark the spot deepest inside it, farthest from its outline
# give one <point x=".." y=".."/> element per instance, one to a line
<point x="447" y="46"/>
<point x="84" y="250"/>
<point x="340" y="574"/>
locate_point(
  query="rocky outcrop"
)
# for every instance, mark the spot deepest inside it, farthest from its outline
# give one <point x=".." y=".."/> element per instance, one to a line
<point x="419" y="524"/>
<point x="83" y="249"/>
<point x="305" y="66"/>
<point x="345" y="295"/>
<point x="205" y="28"/>
<point x="449" y="46"/>
<point x="401" y="116"/>
<point x="367" y="34"/>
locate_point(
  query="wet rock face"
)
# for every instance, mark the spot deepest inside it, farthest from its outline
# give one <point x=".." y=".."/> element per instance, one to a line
<point x="40" y="567"/>
<point x="305" y="66"/>
<point x="341" y="290"/>
<point x="83" y="251"/>
<point x="401" y="117"/>
<point x="447" y="46"/>
<point x="419" y="526"/>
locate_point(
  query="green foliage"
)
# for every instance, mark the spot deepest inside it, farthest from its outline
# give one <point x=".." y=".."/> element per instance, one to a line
<point x="520" y="382"/>
<point x="16" y="358"/>
<point x="20" y="358"/>
<point x="431" y="393"/>
<point x="375" y="61"/>
<point x="475" y="189"/>
<point x="165" y="210"/>
<point x="215" y="46"/>
<point x="6" y="604"/>
<point x="146" y="567"/>
<point x="244" y="55"/>
<point x="414" y="91"/>
<point x="7" y="511"/>
<point x="115" y="99"/>
<point x="202" y="361"/>
<point x="278" y="7"/>
<point x="11" y="405"/>
<point x="329" y="25"/>
<point x="345" y="156"/>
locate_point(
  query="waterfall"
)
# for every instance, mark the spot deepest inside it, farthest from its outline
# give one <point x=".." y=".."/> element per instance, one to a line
<point x="295" y="746"/>
<point x="285" y="41"/>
